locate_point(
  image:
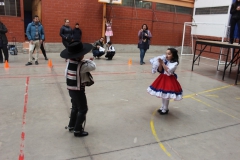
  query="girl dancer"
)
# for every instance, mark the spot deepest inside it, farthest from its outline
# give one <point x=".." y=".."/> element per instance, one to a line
<point x="166" y="85"/>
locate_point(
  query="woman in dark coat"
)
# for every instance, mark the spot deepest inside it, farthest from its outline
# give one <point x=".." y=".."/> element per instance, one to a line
<point x="3" y="42"/>
<point x="66" y="33"/>
<point x="144" y="36"/>
<point x="235" y="19"/>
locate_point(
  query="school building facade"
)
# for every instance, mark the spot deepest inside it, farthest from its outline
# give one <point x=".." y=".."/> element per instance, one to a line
<point x="164" y="18"/>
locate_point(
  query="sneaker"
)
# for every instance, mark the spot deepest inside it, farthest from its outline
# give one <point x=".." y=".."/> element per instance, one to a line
<point x="36" y="62"/>
<point x="81" y="134"/>
<point x="29" y="63"/>
<point x="143" y="62"/>
<point x="46" y="58"/>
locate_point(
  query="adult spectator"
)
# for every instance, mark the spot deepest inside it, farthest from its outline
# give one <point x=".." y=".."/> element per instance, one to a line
<point x="77" y="33"/>
<point x="144" y="37"/>
<point x="3" y="42"/>
<point x="66" y="33"/>
<point x="235" y="19"/>
<point x="35" y="34"/>
<point x="98" y="49"/>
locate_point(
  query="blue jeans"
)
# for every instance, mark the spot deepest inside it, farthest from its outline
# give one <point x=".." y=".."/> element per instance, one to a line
<point x="142" y="54"/>
<point x="96" y="53"/>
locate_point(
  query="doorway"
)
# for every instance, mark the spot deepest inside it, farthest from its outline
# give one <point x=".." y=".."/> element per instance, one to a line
<point x="31" y="8"/>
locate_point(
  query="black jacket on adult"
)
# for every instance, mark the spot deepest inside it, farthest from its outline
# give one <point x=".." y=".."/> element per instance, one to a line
<point x="234" y="12"/>
<point x="77" y="34"/>
<point x="3" y="31"/>
<point x="66" y="33"/>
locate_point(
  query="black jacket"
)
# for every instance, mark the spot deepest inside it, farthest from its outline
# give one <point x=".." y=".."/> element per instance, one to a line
<point x="234" y="12"/>
<point x="3" y="31"/>
<point x="66" y="32"/>
<point x="77" y="34"/>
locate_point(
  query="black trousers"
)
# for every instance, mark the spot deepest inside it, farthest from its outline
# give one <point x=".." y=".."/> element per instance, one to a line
<point x="65" y="43"/>
<point x="97" y="53"/>
<point x="233" y="23"/>
<point x="42" y="49"/>
<point x="4" y="49"/>
<point x="110" y="55"/>
<point x="79" y="110"/>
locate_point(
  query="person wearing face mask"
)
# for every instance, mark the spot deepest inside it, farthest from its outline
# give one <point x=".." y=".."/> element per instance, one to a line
<point x="235" y="19"/>
<point x="66" y="33"/>
<point x="144" y="37"/>
<point x="35" y="34"/>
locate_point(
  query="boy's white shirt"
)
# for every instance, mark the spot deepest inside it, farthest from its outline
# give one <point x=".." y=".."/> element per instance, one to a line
<point x="111" y="49"/>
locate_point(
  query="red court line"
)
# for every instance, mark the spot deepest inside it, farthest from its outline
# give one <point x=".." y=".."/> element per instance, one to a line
<point x="43" y="65"/>
<point x="21" y="154"/>
<point x="61" y="75"/>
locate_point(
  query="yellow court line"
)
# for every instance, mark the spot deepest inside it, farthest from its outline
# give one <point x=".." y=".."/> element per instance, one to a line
<point x="156" y="136"/>
<point x="215" y="89"/>
<point x="214" y="107"/>
<point x="187" y="96"/>
<point x="212" y="95"/>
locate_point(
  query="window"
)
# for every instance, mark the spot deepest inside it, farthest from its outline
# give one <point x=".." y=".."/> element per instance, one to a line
<point x="10" y="8"/>
<point x="138" y="3"/>
<point x="212" y="10"/>
<point x="173" y="8"/>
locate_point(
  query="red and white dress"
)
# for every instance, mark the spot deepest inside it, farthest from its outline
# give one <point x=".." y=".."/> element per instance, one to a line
<point x="166" y="85"/>
<point x="109" y="31"/>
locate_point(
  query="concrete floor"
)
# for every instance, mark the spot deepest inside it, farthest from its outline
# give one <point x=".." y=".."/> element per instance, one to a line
<point x="122" y="120"/>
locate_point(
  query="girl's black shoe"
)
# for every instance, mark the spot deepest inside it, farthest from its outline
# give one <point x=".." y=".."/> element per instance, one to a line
<point x="163" y="113"/>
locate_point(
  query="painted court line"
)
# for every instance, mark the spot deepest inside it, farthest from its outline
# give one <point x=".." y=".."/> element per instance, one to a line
<point x="21" y="154"/>
<point x="219" y="110"/>
<point x="187" y="96"/>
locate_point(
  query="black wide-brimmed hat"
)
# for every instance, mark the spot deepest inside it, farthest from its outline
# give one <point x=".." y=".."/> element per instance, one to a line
<point x="76" y="49"/>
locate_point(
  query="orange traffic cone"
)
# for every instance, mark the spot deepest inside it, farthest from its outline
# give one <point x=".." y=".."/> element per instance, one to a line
<point x="50" y="63"/>
<point x="130" y="62"/>
<point x="6" y="65"/>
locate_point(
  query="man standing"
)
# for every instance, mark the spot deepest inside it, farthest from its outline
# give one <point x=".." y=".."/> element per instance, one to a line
<point x="3" y="42"/>
<point x="35" y="34"/>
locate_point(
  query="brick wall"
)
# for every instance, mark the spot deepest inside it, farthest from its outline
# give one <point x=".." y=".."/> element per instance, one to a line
<point x="88" y="13"/>
<point x="165" y="27"/>
<point x="15" y="27"/>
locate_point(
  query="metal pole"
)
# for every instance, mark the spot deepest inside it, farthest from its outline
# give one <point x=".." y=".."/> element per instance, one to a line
<point x="183" y="37"/>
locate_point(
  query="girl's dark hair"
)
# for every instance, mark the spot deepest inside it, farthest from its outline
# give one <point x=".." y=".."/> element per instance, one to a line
<point x="77" y="24"/>
<point x="174" y="55"/>
<point x="109" y="43"/>
<point x="145" y="25"/>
